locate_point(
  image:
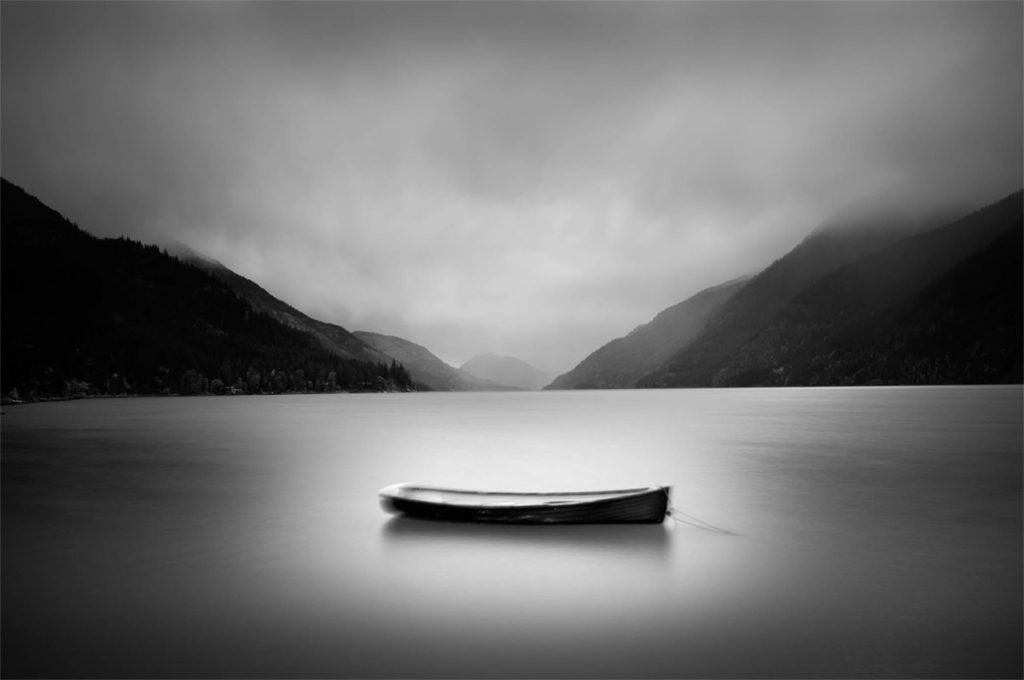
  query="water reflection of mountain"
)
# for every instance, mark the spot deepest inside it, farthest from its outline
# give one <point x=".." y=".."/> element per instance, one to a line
<point x="639" y="539"/>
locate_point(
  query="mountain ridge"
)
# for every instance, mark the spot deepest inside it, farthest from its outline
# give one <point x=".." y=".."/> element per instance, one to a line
<point x="427" y="370"/>
<point x="425" y="366"/>
<point x="869" y="297"/>
<point x="86" y="316"/>
<point x="332" y="336"/>
<point x="619" y="363"/>
<point x="741" y="351"/>
<point x="837" y="242"/>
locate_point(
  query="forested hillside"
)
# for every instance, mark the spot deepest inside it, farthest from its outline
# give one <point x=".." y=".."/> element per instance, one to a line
<point x="944" y="306"/>
<point x="623" y="361"/>
<point x="85" y="316"/>
<point x="332" y="337"/>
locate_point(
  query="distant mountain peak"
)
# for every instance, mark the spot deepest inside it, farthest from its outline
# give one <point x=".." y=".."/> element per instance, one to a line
<point x="426" y="368"/>
<point x="507" y="370"/>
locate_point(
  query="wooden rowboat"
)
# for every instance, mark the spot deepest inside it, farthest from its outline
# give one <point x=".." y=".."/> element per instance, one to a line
<point x="645" y="505"/>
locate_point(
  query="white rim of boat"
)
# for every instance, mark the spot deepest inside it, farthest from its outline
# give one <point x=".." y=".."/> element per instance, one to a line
<point x="449" y="496"/>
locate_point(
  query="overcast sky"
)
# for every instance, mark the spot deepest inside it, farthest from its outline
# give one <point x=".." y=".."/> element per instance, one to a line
<point x="531" y="179"/>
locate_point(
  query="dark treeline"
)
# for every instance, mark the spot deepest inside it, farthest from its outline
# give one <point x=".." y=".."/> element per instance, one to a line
<point x="86" y="316"/>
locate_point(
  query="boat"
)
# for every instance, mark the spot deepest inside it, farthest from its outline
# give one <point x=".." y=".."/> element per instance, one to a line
<point x="647" y="505"/>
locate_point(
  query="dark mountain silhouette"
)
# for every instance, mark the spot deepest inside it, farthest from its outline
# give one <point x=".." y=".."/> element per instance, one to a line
<point x="506" y="371"/>
<point x="425" y="367"/>
<point x="942" y="306"/>
<point x="333" y="337"/>
<point x="718" y="316"/>
<point x="427" y="370"/>
<point x="83" y="315"/>
<point x="623" y="361"/>
<point x="870" y="297"/>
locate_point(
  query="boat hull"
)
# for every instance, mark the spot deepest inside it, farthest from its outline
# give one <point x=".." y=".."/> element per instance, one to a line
<point x="638" y="506"/>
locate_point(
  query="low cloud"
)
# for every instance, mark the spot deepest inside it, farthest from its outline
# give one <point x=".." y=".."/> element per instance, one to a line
<point x="523" y="178"/>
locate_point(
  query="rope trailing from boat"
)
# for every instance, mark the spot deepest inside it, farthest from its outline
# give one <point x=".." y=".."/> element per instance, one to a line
<point x="683" y="518"/>
<point x="699" y="524"/>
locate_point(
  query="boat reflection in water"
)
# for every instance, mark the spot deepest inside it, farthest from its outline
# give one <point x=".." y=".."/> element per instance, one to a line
<point x="642" y="540"/>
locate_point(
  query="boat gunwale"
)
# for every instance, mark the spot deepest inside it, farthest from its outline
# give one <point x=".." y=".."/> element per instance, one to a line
<point x="522" y="499"/>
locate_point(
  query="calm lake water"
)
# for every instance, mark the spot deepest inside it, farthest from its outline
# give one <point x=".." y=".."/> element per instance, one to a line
<point x="874" y="532"/>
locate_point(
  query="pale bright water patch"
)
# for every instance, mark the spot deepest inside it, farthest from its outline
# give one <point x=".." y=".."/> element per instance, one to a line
<point x="877" y="533"/>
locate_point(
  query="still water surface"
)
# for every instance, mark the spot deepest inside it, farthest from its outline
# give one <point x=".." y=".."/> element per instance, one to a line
<point x="874" y="532"/>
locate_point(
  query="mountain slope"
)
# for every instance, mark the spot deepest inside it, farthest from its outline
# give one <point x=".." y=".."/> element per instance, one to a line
<point x="425" y="367"/>
<point x="964" y="328"/>
<point x="506" y="371"/>
<point x="83" y="315"/>
<point x="842" y="240"/>
<point x="331" y="336"/>
<point x="941" y="306"/>
<point x="623" y="361"/>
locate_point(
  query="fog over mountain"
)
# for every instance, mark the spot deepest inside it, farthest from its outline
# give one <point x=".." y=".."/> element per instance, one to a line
<point x="525" y="178"/>
<point x="944" y="305"/>
<point x="873" y="296"/>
